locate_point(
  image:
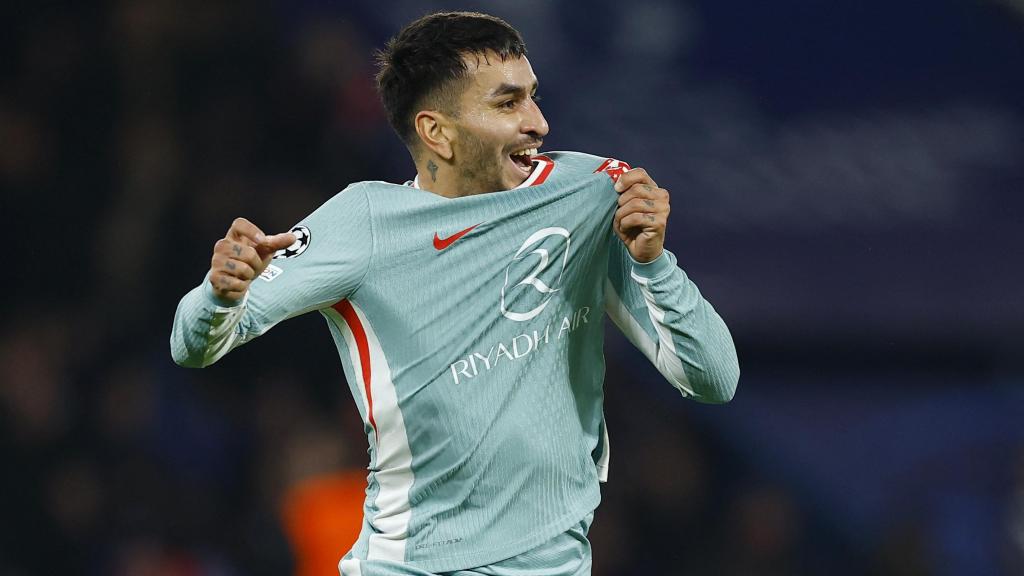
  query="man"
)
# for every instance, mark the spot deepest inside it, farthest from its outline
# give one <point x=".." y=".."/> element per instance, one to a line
<point x="466" y="306"/>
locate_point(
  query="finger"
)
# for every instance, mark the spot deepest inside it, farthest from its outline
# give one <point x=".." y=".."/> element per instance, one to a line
<point x="643" y="190"/>
<point x="242" y="230"/>
<point x="272" y="244"/>
<point x="238" y="251"/>
<point x="224" y="264"/>
<point x="636" y="204"/>
<point x="634" y="176"/>
<point x="642" y="221"/>
<point x="228" y="287"/>
<point x="239" y="270"/>
<point x="620" y="216"/>
<point x="279" y="241"/>
<point x="641" y="206"/>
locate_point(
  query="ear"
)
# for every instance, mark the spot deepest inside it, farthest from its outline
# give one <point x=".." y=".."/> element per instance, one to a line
<point x="436" y="131"/>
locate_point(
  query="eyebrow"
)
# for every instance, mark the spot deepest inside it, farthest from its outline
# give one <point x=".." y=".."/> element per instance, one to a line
<point x="506" y="88"/>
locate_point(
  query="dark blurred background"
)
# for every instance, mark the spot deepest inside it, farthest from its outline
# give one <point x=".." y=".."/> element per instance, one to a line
<point x="846" y="182"/>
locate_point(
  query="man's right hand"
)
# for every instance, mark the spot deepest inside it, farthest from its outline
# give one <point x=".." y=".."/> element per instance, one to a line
<point x="241" y="255"/>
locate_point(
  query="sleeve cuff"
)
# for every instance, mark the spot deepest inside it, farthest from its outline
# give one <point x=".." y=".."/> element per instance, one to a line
<point x="217" y="300"/>
<point x="661" y="266"/>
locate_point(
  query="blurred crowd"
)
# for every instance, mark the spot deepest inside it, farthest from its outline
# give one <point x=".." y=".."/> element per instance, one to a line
<point x="131" y="134"/>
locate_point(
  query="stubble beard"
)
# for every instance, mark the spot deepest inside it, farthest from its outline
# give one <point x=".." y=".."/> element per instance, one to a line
<point x="480" y="172"/>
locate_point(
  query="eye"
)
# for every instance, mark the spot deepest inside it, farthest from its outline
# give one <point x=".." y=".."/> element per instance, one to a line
<point x="508" y="104"/>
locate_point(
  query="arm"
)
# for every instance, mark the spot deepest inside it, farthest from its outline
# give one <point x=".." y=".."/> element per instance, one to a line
<point x="664" y="315"/>
<point x="657" y="307"/>
<point x="246" y="293"/>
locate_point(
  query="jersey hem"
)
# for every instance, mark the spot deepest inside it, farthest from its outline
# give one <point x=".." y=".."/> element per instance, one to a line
<point x="493" y="555"/>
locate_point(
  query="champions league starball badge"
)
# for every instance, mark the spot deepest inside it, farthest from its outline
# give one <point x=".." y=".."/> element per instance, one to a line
<point x="297" y="247"/>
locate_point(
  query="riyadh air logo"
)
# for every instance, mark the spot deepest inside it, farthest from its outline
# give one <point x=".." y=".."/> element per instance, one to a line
<point x="535" y="274"/>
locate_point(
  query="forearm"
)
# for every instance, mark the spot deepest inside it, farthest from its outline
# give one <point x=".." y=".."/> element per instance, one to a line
<point x="205" y="328"/>
<point x="683" y="335"/>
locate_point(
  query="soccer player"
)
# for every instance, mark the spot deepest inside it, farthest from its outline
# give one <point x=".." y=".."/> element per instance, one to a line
<point x="467" y="307"/>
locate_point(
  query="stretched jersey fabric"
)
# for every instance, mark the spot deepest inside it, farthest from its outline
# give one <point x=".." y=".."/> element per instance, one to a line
<point x="470" y="333"/>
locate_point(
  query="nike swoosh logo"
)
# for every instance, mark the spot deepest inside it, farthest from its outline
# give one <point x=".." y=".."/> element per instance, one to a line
<point x="441" y="244"/>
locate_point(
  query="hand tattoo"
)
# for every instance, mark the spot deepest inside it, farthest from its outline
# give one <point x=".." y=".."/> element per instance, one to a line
<point x="433" y="170"/>
<point x="237" y="249"/>
<point x="649" y="217"/>
<point x="649" y="203"/>
<point x="648" y="187"/>
<point x="231" y="265"/>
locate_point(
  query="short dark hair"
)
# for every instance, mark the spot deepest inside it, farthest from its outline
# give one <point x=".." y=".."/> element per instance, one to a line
<point x="422" y="66"/>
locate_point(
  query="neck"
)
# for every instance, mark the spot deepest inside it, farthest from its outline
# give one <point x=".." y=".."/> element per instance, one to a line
<point x="437" y="176"/>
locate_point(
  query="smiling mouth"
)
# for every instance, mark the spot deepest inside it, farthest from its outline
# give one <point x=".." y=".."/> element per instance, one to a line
<point x="523" y="158"/>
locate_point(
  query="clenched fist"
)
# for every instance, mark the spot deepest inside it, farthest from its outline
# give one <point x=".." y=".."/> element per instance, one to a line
<point x="241" y="255"/>
<point x="642" y="215"/>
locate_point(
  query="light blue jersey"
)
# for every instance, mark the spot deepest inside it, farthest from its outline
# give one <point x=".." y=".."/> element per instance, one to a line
<point x="470" y="333"/>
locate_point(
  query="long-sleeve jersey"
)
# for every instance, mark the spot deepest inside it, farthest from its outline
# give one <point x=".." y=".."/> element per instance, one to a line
<point x="470" y="333"/>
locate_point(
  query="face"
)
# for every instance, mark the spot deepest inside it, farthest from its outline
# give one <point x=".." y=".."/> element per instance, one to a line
<point x="498" y="117"/>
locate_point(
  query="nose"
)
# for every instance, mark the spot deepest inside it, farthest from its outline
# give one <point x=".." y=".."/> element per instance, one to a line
<point x="534" y="123"/>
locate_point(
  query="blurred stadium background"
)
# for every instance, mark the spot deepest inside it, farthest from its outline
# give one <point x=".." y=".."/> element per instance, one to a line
<point x="846" y="182"/>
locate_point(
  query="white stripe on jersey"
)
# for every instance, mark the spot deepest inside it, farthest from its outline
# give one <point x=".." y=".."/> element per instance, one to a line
<point x="603" y="462"/>
<point x="353" y="354"/>
<point x="350" y="567"/>
<point x="393" y="463"/>
<point x="664" y="356"/>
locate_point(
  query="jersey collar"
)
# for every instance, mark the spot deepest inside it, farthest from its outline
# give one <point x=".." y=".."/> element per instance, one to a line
<point x="542" y="166"/>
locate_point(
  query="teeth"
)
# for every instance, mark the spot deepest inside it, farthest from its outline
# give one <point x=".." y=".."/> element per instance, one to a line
<point x="526" y="152"/>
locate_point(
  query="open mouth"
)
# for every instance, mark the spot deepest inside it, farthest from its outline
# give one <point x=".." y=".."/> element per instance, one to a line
<point x="523" y="159"/>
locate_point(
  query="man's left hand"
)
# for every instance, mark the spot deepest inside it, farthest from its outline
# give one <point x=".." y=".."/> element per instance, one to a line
<point x="642" y="215"/>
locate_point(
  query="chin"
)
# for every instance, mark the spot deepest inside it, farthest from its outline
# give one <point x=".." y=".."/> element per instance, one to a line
<point x="513" y="183"/>
<point x="505" y="177"/>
